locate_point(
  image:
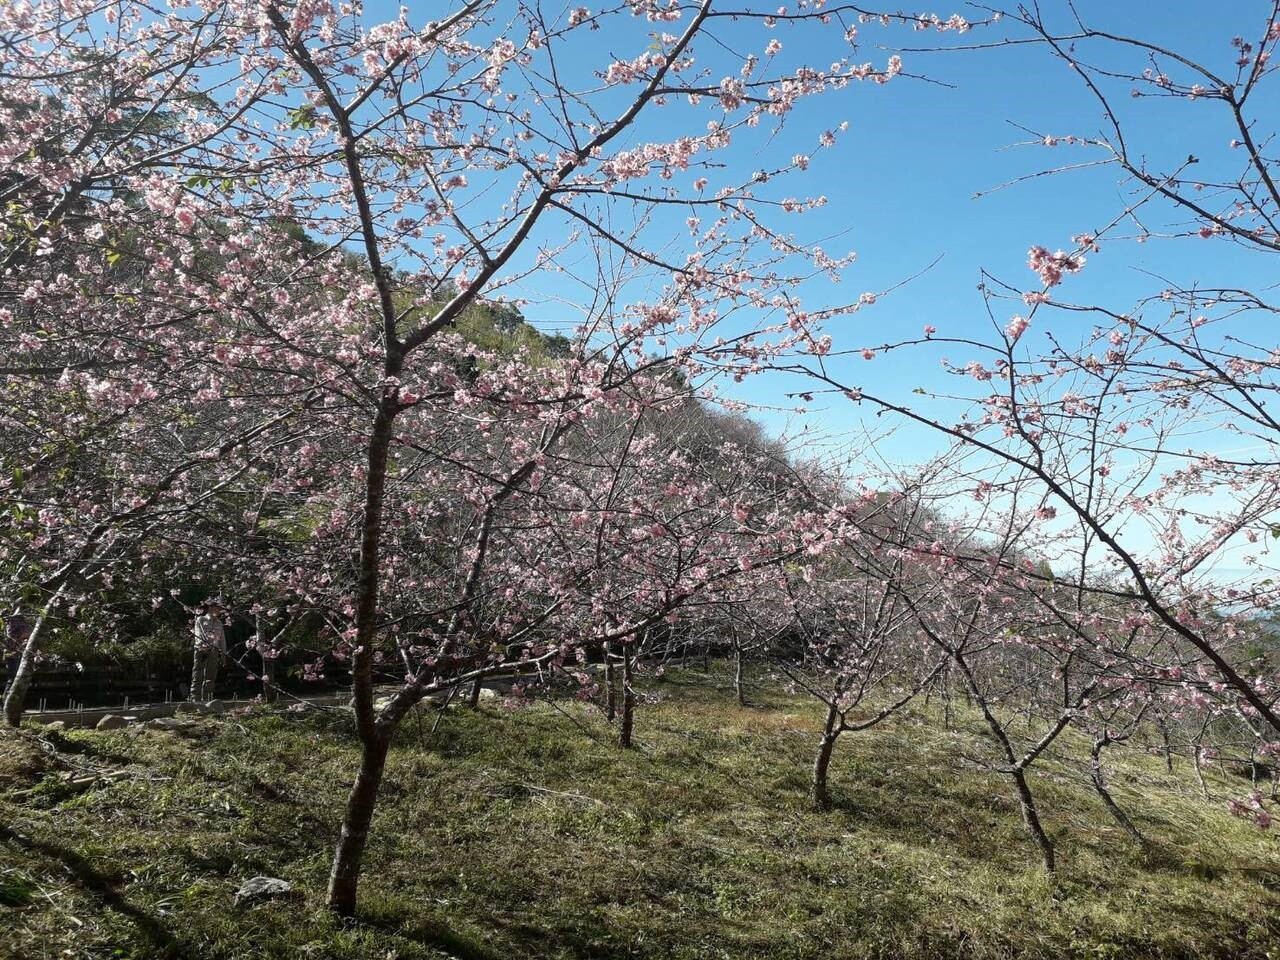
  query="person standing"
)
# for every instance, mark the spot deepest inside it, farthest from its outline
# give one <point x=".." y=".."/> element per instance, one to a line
<point x="210" y="648"/>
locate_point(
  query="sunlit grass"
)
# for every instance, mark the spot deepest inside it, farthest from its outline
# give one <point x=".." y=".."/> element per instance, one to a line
<point x="527" y="833"/>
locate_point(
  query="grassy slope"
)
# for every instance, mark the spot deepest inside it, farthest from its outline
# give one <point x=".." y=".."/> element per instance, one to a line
<point x="700" y="844"/>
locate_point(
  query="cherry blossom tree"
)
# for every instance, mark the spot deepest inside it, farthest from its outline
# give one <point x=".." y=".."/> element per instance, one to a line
<point x="278" y="217"/>
<point x="1140" y="431"/>
<point x="863" y="659"/>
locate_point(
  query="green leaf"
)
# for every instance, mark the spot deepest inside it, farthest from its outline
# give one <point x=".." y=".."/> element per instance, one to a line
<point x="303" y="118"/>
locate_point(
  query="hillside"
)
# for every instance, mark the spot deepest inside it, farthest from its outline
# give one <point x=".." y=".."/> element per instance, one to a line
<point x="527" y="833"/>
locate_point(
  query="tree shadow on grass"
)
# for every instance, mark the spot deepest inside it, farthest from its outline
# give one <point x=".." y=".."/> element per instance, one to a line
<point x="429" y="933"/>
<point x="83" y="873"/>
<point x="493" y="935"/>
<point x="468" y="946"/>
<point x="85" y="748"/>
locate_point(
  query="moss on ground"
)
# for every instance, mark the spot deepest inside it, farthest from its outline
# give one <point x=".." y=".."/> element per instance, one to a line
<point x="526" y="833"/>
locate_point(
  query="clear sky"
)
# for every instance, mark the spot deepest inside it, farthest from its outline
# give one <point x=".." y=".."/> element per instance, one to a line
<point x="918" y="178"/>
<point x="926" y="175"/>
<point x="902" y="184"/>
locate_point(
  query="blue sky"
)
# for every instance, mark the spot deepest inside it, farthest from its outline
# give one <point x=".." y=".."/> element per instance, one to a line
<point x="903" y="185"/>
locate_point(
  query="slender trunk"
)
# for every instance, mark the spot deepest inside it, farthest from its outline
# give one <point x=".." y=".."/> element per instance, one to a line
<point x="610" y="685"/>
<point x="344" y="878"/>
<point x="473" y="701"/>
<point x="948" y="713"/>
<point x="345" y="875"/>
<point x="1032" y="819"/>
<point x="737" y="677"/>
<point x="1016" y="770"/>
<point x="628" y="701"/>
<point x="1168" y="748"/>
<point x="826" y="746"/>
<point x="21" y="681"/>
<point x="1100" y="786"/>
<point x="267" y="673"/>
<point x="1198" y="761"/>
<point x="269" y="691"/>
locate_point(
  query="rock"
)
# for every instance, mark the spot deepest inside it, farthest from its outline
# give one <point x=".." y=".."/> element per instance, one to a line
<point x="180" y="727"/>
<point x="262" y="888"/>
<point x="58" y="725"/>
<point x="488" y="693"/>
<point x="168" y="723"/>
<point x="187" y="706"/>
<point x="215" y="706"/>
<point x="112" y="721"/>
<point x="431" y="702"/>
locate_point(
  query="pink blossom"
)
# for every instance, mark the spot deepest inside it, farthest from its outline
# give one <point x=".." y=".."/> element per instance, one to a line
<point x="1052" y="266"/>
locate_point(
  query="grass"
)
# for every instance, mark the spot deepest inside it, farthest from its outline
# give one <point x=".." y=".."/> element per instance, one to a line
<point x="526" y="833"/>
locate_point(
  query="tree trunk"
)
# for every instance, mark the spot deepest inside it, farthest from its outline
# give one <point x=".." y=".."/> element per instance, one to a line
<point x="628" y="701"/>
<point x="344" y="878"/>
<point x="473" y="701"/>
<point x="1100" y="786"/>
<point x="610" y="685"/>
<point x="1168" y="748"/>
<point x="345" y="875"/>
<point x="826" y="746"/>
<point x="20" y="683"/>
<point x="1032" y="820"/>
<point x="269" y="689"/>
<point x="948" y="711"/>
<point x="1199" y="767"/>
<point x="737" y="677"/>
